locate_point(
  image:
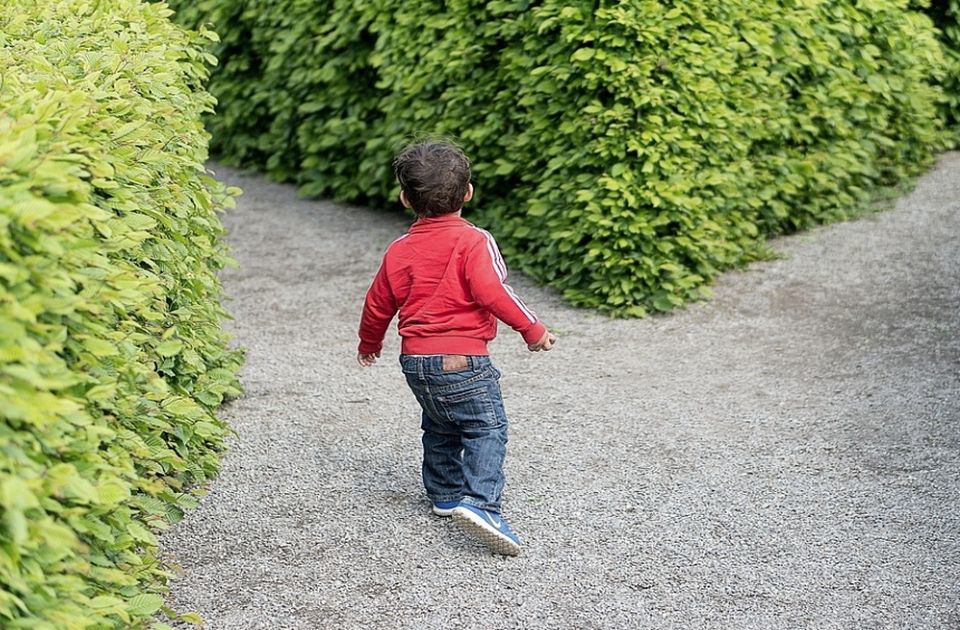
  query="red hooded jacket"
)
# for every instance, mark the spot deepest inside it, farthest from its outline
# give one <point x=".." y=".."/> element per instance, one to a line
<point x="448" y="281"/>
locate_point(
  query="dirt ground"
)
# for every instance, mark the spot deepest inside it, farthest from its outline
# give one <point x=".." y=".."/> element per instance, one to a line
<point x="786" y="455"/>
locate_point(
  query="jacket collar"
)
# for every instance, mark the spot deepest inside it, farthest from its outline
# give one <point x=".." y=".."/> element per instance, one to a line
<point x="442" y="220"/>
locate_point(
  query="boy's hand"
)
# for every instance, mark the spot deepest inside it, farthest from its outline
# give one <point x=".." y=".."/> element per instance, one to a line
<point x="366" y="360"/>
<point x="546" y="342"/>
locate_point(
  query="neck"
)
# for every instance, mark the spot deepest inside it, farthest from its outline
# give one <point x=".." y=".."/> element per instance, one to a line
<point x="458" y="213"/>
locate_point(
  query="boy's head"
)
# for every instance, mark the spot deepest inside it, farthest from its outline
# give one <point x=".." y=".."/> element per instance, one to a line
<point x="434" y="178"/>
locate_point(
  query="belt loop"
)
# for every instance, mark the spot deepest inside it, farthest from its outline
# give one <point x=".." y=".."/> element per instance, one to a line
<point x="420" y="368"/>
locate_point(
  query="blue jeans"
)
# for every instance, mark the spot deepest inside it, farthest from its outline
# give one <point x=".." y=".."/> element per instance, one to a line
<point x="464" y="429"/>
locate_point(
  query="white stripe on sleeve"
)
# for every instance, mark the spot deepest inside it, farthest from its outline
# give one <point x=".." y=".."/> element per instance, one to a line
<point x="500" y="268"/>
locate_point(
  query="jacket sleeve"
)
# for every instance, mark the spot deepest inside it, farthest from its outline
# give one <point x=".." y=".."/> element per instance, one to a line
<point x="486" y="276"/>
<point x="379" y="307"/>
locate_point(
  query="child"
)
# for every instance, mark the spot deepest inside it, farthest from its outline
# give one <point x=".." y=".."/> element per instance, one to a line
<point x="448" y="281"/>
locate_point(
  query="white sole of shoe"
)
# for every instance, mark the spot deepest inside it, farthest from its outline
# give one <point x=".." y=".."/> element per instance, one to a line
<point x="443" y="512"/>
<point x="477" y="528"/>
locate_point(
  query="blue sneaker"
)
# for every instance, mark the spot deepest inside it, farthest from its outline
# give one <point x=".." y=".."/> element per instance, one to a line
<point x="488" y="527"/>
<point x="444" y="508"/>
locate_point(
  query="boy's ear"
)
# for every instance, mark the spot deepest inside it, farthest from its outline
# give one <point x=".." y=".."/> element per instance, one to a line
<point x="403" y="199"/>
<point x="469" y="194"/>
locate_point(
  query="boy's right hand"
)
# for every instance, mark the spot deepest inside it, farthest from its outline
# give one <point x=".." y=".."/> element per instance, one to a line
<point x="546" y="342"/>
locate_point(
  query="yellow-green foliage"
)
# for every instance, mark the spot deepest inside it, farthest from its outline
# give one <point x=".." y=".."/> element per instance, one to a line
<point x="946" y="16"/>
<point x="112" y="359"/>
<point x="625" y="152"/>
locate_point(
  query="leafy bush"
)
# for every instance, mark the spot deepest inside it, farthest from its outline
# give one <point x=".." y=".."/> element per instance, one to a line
<point x="946" y="16"/>
<point x="112" y="359"/>
<point x="624" y="154"/>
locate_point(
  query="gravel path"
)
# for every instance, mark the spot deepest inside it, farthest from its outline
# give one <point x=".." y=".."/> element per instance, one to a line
<point x="784" y="456"/>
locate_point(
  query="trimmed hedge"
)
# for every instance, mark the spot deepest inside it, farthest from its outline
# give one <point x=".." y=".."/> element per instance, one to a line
<point x="112" y="358"/>
<point x="946" y="16"/>
<point x="624" y="154"/>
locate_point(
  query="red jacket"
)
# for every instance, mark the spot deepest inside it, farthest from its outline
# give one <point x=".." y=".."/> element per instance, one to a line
<point x="448" y="280"/>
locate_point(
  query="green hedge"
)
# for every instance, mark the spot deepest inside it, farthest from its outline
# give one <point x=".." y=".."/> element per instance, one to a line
<point x="946" y="16"/>
<point x="623" y="154"/>
<point x="112" y="358"/>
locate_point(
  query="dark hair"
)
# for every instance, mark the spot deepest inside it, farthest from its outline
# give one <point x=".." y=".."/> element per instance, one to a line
<point x="434" y="176"/>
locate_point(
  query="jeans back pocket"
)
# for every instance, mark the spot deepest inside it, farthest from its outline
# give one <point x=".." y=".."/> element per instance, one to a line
<point x="471" y="406"/>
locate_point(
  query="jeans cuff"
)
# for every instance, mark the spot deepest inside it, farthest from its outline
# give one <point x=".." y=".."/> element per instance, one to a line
<point x="437" y="498"/>
<point x="490" y="507"/>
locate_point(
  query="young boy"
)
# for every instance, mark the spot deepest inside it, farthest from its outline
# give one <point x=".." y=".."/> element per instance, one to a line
<point x="448" y="281"/>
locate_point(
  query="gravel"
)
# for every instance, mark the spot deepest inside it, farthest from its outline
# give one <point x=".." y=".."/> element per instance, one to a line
<point x="786" y="455"/>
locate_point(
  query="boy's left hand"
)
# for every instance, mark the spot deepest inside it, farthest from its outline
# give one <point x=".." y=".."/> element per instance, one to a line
<point x="366" y="360"/>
